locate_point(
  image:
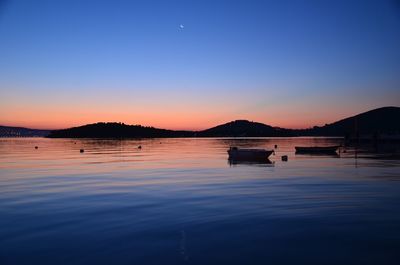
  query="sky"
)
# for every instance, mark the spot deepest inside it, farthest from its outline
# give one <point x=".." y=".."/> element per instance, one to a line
<point x="196" y="64"/>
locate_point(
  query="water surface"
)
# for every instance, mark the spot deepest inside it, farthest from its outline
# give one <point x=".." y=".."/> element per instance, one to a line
<point x="180" y="201"/>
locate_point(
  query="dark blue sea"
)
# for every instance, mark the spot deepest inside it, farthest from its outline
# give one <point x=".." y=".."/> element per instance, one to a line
<point x="180" y="201"/>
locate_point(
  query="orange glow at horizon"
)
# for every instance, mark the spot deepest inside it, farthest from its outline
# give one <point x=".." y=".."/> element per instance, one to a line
<point x="172" y="109"/>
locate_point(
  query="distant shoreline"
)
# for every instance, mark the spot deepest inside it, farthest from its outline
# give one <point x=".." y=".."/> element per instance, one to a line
<point x="378" y="124"/>
<point x="375" y="124"/>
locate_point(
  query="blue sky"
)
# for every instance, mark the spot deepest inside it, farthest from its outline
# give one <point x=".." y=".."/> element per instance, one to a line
<point x="285" y="63"/>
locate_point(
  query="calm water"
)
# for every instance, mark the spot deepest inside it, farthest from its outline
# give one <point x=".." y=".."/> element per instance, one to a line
<point x="179" y="201"/>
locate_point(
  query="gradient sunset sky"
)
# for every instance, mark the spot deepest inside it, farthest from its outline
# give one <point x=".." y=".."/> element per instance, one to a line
<point x="196" y="64"/>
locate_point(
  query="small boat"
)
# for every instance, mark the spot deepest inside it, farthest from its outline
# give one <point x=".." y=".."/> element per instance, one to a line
<point x="248" y="154"/>
<point x="316" y="149"/>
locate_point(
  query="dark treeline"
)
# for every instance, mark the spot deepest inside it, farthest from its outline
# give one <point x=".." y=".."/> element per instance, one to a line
<point x="379" y="121"/>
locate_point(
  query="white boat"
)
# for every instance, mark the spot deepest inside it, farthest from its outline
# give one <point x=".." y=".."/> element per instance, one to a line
<point x="248" y="154"/>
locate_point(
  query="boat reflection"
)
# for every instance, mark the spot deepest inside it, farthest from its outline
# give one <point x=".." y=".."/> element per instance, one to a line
<point x="252" y="162"/>
<point x="320" y="154"/>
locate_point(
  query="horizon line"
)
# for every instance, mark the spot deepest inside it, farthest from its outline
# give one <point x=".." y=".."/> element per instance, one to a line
<point x="192" y="130"/>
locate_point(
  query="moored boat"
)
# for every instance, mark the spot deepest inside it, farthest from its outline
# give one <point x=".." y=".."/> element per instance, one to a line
<point x="316" y="149"/>
<point x="248" y="154"/>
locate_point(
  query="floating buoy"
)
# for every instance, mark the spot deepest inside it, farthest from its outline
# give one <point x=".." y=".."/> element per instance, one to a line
<point x="82" y="150"/>
<point x="36" y="147"/>
<point x="284" y="158"/>
<point x="139" y="147"/>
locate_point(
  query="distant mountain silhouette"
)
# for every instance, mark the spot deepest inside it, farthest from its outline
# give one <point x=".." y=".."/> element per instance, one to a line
<point x="384" y="120"/>
<point x="244" y="128"/>
<point x="116" y="130"/>
<point x="379" y="121"/>
<point x="7" y="131"/>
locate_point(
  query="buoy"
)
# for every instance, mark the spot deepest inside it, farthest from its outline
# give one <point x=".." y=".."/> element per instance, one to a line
<point x="284" y="158"/>
<point x="139" y="147"/>
<point x="82" y="151"/>
<point x="36" y="147"/>
<point x="276" y="146"/>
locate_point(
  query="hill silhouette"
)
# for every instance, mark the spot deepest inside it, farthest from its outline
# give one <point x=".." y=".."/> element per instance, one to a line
<point x="116" y="130"/>
<point x="244" y="128"/>
<point x="382" y="121"/>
